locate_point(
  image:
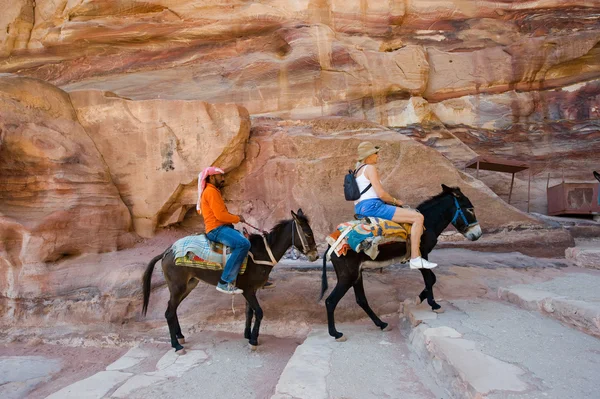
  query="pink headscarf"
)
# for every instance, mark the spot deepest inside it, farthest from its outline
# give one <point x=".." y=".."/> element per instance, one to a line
<point x="211" y="170"/>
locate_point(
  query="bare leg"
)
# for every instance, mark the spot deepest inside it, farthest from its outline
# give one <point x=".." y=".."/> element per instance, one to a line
<point x="416" y="219"/>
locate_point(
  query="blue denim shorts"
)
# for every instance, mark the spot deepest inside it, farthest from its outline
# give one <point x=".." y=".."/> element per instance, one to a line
<point x="376" y="208"/>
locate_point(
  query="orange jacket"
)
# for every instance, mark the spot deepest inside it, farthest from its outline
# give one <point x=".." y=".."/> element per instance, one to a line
<point x="214" y="210"/>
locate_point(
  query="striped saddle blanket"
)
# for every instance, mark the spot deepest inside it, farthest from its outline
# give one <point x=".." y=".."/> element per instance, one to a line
<point x="366" y="235"/>
<point x="198" y="251"/>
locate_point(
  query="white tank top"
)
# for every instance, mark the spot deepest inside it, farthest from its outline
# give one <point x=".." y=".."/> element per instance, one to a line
<point x="362" y="181"/>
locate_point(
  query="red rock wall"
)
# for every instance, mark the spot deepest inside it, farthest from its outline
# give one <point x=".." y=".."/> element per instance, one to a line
<point x="140" y="96"/>
<point x="497" y="66"/>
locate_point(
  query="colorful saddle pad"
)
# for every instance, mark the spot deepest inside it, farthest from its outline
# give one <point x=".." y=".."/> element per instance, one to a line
<point x="367" y="235"/>
<point x="199" y="251"/>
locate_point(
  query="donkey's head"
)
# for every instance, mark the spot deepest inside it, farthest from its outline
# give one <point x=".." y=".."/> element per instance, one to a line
<point x="464" y="219"/>
<point x="303" y="238"/>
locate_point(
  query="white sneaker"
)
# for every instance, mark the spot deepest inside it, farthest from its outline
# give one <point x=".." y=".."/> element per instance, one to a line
<point x="230" y="289"/>
<point x="420" y="263"/>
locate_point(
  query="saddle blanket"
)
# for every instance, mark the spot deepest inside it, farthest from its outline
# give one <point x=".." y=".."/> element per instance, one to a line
<point x="367" y="235"/>
<point x="198" y="251"/>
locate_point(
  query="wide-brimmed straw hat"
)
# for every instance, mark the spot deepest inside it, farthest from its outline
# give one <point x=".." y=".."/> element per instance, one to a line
<point x="365" y="149"/>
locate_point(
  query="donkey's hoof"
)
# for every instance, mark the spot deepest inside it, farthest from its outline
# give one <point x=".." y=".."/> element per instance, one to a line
<point x="418" y="300"/>
<point x="181" y="340"/>
<point x="438" y="310"/>
<point x="180" y="352"/>
<point x="253" y="348"/>
<point x="386" y="327"/>
<point x="341" y="339"/>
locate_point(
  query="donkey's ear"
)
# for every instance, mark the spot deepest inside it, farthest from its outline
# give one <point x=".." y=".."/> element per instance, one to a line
<point x="597" y="175"/>
<point x="294" y="215"/>
<point x="300" y="213"/>
<point x="455" y="191"/>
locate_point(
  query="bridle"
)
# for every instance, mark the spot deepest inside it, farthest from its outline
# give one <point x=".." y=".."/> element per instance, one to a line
<point x="460" y="213"/>
<point x="273" y="262"/>
<point x="305" y="247"/>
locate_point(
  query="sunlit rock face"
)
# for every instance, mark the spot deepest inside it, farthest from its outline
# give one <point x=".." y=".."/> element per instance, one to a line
<point x="57" y="198"/>
<point x="154" y="147"/>
<point x="112" y="108"/>
<point x="88" y="173"/>
<point x="482" y="66"/>
<point x="315" y="57"/>
<point x="57" y="191"/>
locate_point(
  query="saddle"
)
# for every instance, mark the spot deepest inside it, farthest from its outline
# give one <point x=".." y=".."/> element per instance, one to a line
<point x="367" y="234"/>
<point x="198" y="251"/>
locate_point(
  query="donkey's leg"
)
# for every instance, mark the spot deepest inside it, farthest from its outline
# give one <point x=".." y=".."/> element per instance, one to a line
<point x="249" y="315"/>
<point x="429" y="279"/>
<point x="331" y="302"/>
<point x="190" y="286"/>
<point x="171" y="314"/>
<point x="361" y="299"/>
<point x="258" y="313"/>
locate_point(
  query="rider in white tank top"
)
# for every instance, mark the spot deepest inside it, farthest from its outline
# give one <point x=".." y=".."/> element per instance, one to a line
<point x="383" y="205"/>
<point x="362" y="183"/>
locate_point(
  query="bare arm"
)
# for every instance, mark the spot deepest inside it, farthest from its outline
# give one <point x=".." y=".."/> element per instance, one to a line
<point x="373" y="177"/>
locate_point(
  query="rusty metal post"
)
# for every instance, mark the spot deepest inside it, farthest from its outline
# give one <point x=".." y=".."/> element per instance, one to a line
<point x="511" y="187"/>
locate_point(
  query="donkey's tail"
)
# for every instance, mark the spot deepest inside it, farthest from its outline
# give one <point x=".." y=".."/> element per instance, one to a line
<point x="324" y="276"/>
<point x="147" y="281"/>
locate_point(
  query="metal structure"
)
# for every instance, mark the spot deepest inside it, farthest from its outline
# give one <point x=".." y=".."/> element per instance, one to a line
<point x="572" y="198"/>
<point x="497" y="164"/>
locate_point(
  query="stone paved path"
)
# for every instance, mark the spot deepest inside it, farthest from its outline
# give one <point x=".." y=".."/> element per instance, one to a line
<point x="505" y="334"/>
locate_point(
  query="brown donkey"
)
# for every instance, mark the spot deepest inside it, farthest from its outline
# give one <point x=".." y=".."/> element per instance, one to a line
<point x="181" y="280"/>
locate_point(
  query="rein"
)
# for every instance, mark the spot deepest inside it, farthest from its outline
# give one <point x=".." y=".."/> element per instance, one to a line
<point x="264" y="232"/>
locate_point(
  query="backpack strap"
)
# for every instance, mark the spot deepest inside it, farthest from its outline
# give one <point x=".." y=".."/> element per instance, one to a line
<point x="355" y="172"/>
<point x="366" y="189"/>
<point x="359" y="168"/>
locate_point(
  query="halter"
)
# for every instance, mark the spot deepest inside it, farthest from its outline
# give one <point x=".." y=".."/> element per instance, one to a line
<point x="305" y="247"/>
<point x="459" y="212"/>
<point x="273" y="262"/>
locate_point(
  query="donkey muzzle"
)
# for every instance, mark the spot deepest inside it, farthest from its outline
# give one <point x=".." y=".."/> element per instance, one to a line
<point x="473" y="233"/>
<point x="312" y="255"/>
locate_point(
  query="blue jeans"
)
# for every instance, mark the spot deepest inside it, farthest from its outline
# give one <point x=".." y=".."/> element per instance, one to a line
<point x="239" y="245"/>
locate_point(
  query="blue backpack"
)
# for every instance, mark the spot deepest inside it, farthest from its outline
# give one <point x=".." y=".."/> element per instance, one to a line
<point x="351" y="191"/>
